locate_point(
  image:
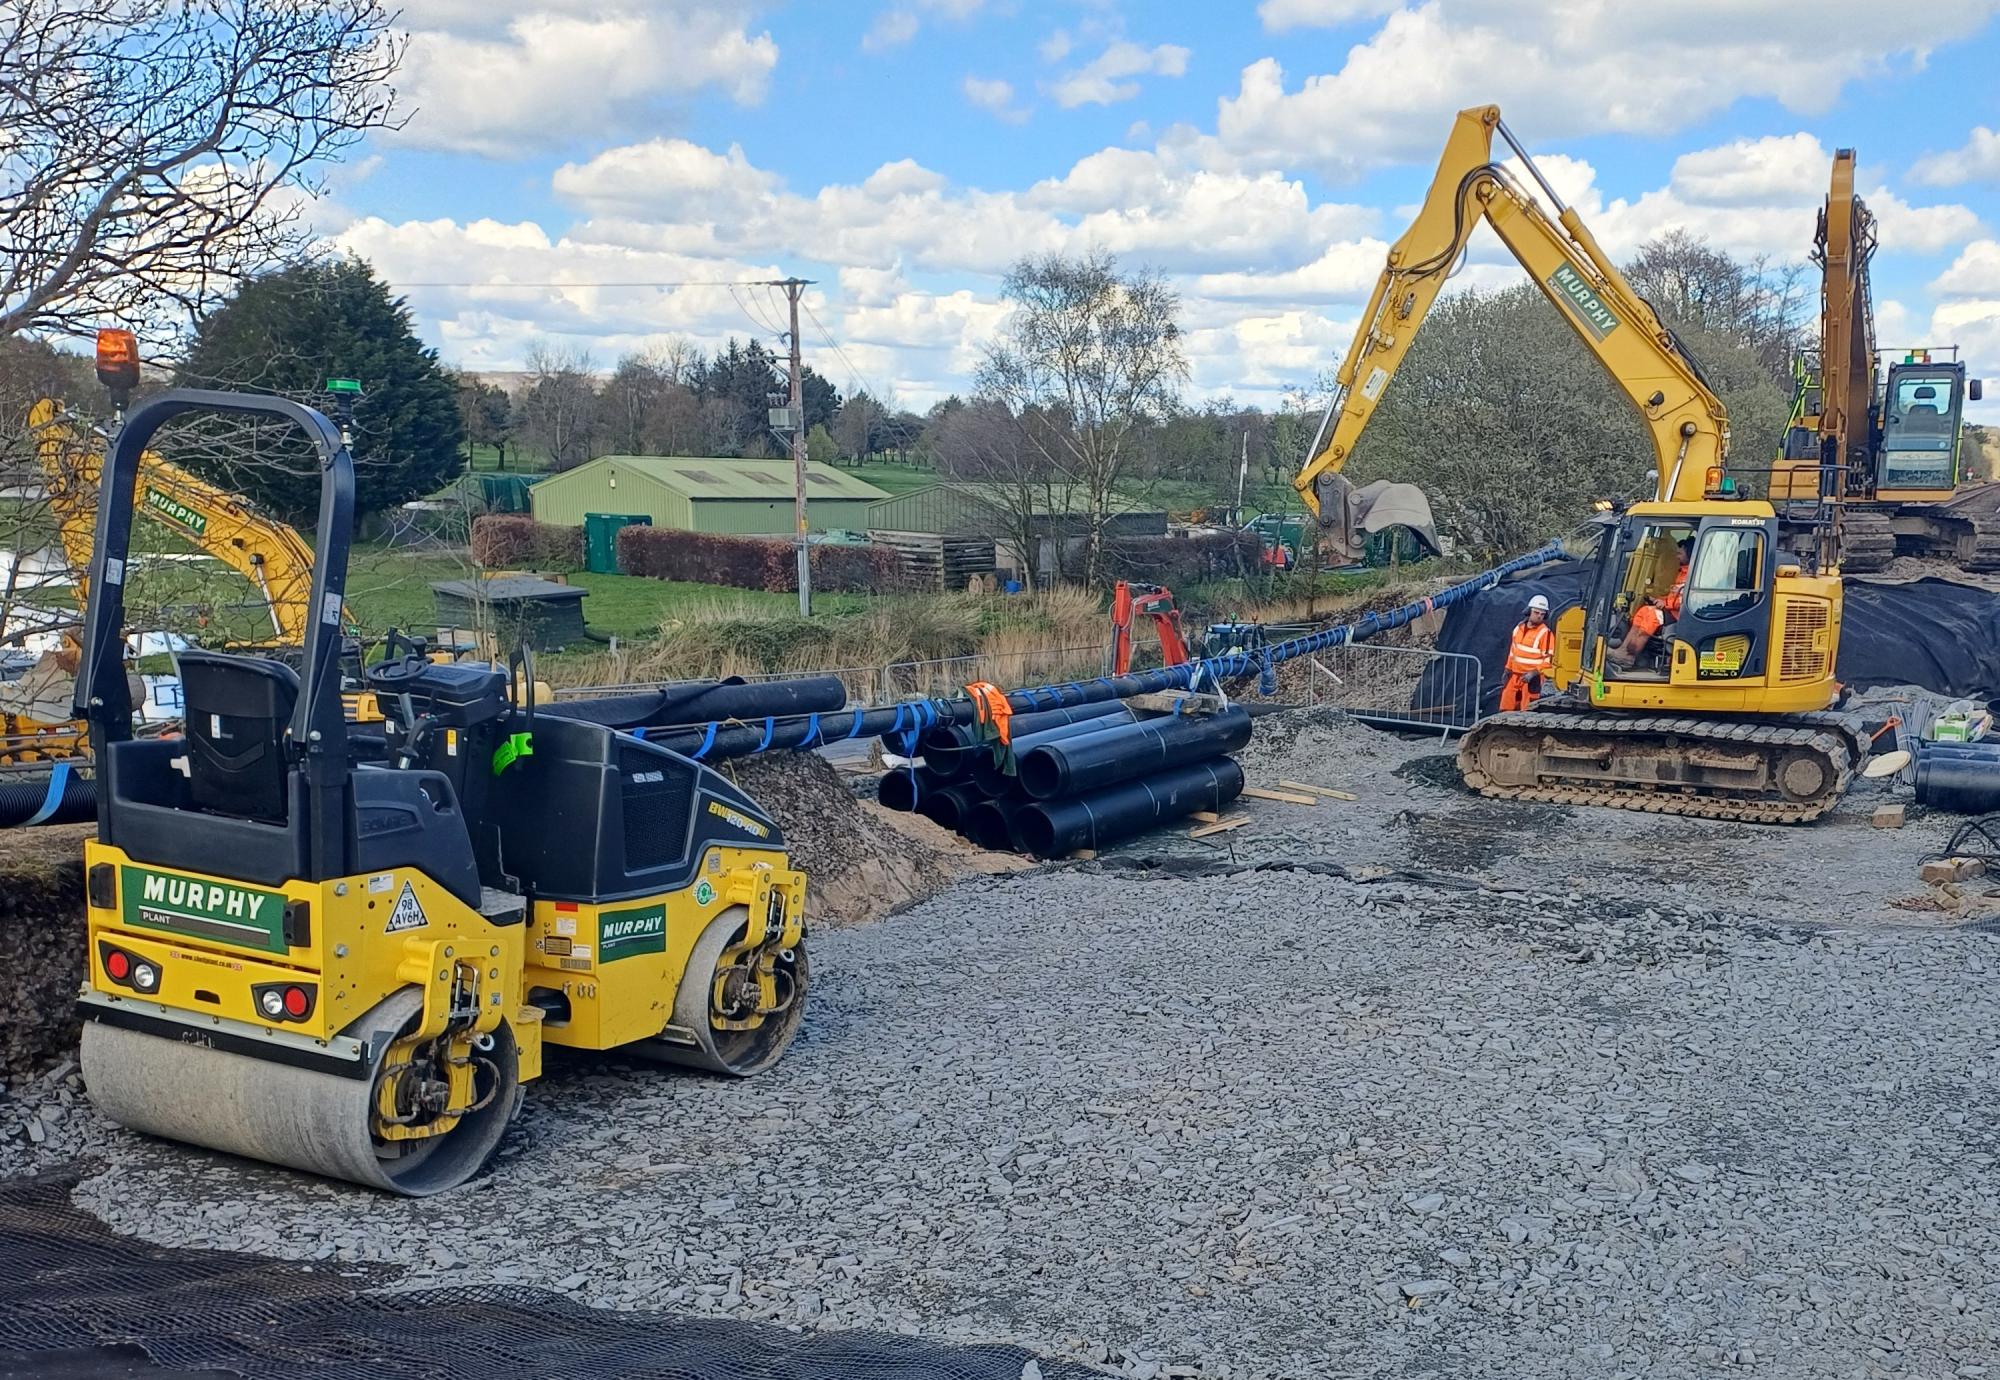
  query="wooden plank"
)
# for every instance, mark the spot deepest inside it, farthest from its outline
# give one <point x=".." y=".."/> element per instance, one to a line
<point x="1083" y="855"/>
<point x="1204" y="816"/>
<point x="1285" y="797"/>
<point x="1326" y="791"/>
<point x="1219" y="827"/>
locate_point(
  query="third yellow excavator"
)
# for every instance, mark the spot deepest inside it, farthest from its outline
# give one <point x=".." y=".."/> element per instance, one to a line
<point x="1697" y="693"/>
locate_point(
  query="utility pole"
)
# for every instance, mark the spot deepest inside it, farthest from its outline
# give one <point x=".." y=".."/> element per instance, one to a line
<point x="797" y="409"/>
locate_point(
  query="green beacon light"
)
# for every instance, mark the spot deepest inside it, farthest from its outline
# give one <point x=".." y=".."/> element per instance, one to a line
<point x="349" y="386"/>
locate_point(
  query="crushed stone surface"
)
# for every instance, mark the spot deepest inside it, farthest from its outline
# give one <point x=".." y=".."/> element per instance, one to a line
<point x="1416" y="1084"/>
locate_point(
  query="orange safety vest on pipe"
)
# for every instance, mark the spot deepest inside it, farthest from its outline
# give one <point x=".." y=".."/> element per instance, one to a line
<point x="1533" y="650"/>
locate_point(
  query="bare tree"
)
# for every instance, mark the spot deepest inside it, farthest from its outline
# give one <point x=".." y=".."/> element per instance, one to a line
<point x="1097" y="356"/>
<point x="155" y="152"/>
<point x="557" y="411"/>
<point x="1026" y="498"/>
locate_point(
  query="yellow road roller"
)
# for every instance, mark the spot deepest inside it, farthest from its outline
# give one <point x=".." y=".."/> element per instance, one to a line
<point x="346" y="952"/>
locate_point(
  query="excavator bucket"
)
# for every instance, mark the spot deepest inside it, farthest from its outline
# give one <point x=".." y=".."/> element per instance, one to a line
<point x="1348" y="516"/>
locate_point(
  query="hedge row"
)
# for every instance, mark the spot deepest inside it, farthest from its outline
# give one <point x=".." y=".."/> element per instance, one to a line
<point x="512" y="543"/>
<point x="1185" y="560"/>
<point x="756" y="562"/>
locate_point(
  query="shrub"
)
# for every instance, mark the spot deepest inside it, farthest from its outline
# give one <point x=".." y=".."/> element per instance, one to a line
<point x="755" y="562"/>
<point x="509" y="543"/>
<point x="1184" y="560"/>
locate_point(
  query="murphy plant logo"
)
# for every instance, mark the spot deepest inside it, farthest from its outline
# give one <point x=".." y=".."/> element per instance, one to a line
<point x="1576" y="290"/>
<point x="179" y="512"/>
<point x="211" y="910"/>
<point x="623" y="933"/>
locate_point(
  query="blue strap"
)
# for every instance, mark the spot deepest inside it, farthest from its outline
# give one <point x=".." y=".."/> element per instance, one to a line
<point x="770" y="727"/>
<point x="640" y="733"/>
<point x="812" y="738"/>
<point x="707" y="742"/>
<point x="853" y="726"/>
<point x="58" y="783"/>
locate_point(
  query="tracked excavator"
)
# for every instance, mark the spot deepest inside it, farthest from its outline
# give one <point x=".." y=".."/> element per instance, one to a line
<point x="1724" y="712"/>
<point x="352" y="964"/>
<point x="1876" y="441"/>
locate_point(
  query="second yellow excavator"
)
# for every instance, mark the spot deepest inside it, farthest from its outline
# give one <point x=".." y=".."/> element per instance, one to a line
<point x="1696" y="671"/>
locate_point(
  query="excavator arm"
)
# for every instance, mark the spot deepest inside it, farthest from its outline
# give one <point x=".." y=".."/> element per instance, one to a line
<point x="267" y="553"/>
<point x="1687" y="422"/>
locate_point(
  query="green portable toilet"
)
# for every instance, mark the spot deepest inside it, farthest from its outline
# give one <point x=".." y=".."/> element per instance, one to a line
<point x="600" y="539"/>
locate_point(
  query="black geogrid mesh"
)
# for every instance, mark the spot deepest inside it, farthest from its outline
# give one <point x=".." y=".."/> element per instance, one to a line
<point x="66" y="1282"/>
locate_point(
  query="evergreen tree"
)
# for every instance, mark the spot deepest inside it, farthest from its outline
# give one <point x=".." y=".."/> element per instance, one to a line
<point x="288" y="332"/>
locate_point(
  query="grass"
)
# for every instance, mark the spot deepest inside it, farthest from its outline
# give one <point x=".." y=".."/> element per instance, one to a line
<point x="892" y="479"/>
<point x="519" y="460"/>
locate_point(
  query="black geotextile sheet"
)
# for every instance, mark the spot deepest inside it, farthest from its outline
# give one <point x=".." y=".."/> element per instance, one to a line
<point x="74" y="1294"/>
<point x="1942" y="636"/>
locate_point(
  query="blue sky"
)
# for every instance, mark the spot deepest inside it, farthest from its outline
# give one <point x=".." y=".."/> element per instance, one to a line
<point x="902" y="153"/>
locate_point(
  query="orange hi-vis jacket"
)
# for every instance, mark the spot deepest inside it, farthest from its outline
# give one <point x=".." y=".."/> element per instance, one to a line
<point x="1533" y="650"/>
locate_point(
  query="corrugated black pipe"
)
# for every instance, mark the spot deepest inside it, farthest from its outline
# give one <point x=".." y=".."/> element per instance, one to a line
<point x="900" y="789"/>
<point x="1053" y="828"/>
<point x="951" y="749"/>
<point x="1124" y="752"/>
<point x="700" y="702"/>
<point x="990" y="824"/>
<point x="993" y="780"/>
<point x="948" y="806"/>
<point x="21" y="802"/>
<point x="1964" y="785"/>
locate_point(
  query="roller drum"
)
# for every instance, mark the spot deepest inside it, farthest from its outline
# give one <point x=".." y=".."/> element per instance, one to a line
<point x="694" y="1042"/>
<point x="301" y="1118"/>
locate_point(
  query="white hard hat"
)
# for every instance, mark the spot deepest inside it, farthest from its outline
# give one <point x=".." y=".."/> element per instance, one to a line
<point x="1540" y="601"/>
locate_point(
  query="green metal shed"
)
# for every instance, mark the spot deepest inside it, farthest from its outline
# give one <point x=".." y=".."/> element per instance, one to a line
<point x="700" y="494"/>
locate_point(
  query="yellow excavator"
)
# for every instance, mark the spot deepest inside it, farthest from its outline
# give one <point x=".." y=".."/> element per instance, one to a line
<point x="1875" y="441"/>
<point x="1720" y="711"/>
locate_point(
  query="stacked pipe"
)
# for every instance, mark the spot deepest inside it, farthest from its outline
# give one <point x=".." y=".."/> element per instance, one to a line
<point x="717" y="740"/>
<point x="1075" y="779"/>
<point x="1961" y="777"/>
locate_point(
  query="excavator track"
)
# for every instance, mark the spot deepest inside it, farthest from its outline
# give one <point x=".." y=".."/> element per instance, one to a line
<point x="1781" y="770"/>
<point x="1867" y="542"/>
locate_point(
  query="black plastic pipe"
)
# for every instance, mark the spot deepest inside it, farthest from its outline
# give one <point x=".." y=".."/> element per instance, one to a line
<point x="951" y="749"/>
<point x="948" y="806"/>
<point x="699" y="702"/>
<point x="1125" y="752"/>
<point x="988" y="776"/>
<point x="1982" y="748"/>
<point x="900" y="789"/>
<point x="990" y="824"/>
<point x="21" y="802"/>
<point x="1053" y="828"/>
<point x="1963" y="785"/>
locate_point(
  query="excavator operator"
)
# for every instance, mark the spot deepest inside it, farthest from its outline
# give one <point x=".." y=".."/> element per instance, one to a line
<point x="1531" y="653"/>
<point x="1655" y="614"/>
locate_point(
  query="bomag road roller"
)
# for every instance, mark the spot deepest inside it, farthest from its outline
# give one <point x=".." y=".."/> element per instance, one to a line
<point x="349" y="957"/>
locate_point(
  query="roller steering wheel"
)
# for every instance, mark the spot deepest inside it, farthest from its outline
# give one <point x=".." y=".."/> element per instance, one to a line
<point x="394" y="672"/>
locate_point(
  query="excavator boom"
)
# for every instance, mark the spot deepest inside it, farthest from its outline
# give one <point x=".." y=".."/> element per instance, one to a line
<point x="1686" y="421"/>
<point x="267" y="553"/>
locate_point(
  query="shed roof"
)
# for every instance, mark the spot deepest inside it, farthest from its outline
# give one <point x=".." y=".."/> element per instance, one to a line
<point x="508" y="589"/>
<point x="702" y="477"/>
<point x="1051" y="500"/>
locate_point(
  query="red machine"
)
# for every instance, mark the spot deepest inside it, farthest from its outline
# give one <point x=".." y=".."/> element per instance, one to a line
<point x="1157" y="603"/>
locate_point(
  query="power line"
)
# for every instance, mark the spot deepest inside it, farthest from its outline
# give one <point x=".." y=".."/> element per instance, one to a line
<point x="854" y="373"/>
<point x="679" y="283"/>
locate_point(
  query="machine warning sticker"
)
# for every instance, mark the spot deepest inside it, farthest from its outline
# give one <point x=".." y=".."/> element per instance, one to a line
<point x="703" y="892"/>
<point x="382" y="882"/>
<point x="1372" y="389"/>
<point x="408" y="914"/>
<point x="1582" y="298"/>
<point x="203" y="909"/>
<point x="624" y="933"/>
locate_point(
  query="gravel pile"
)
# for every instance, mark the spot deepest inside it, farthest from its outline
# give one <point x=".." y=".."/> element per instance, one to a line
<point x="1272" y="1123"/>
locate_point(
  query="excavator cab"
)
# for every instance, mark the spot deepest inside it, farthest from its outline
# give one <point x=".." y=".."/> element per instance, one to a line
<point x="1923" y="406"/>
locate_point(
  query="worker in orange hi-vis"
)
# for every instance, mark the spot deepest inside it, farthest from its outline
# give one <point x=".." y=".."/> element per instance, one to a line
<point x="1531" y="654"/>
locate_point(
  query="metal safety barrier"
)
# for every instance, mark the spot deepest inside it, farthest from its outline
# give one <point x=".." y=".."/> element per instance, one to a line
<point x="1029" y="666"/>
<point x="1398" y="687"/>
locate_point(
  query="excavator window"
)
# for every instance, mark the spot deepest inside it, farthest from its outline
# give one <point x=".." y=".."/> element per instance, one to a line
<point x="1728" y="574"/>
<point x="1921" y="413"/>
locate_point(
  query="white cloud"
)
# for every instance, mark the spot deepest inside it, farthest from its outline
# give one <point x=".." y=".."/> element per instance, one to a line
<point x="1106" y="78"/>
<point x="994" y="96"/>
<point x="891" y="29"/>
<point x="1055" y="47"/>
<point x="1754" y="172"/>
<point x="1280" y="15"/>
<point x="1560" y="69"/>
<point x="502" y="79"/>
<point x="1973" y="326"/>
<point x="1977" y="161"/>
<point x="699" y="185"/>
<point x="1975" y="273"/>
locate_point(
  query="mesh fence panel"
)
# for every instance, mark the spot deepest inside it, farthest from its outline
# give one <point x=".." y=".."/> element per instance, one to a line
<point x="68" y="1282"/>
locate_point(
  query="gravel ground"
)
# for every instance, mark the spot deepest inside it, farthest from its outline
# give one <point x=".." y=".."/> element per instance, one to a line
<point x="1417" y="1084"/>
